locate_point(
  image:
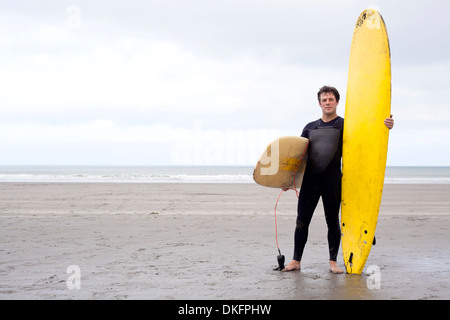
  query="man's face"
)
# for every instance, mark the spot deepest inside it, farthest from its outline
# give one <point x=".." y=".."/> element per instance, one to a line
<point x="328" y="103"/>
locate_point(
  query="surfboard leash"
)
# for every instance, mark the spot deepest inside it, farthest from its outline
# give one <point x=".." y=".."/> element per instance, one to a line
<point x="281" y="257"/>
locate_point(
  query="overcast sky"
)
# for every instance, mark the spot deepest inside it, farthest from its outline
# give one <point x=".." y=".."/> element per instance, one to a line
<point x="207" y="82"/>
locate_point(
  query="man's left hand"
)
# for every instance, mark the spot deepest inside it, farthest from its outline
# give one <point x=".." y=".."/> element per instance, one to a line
<point x="389" y="122"/>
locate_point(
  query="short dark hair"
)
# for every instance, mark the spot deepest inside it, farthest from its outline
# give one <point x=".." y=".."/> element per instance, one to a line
<point x="328" y="89"/>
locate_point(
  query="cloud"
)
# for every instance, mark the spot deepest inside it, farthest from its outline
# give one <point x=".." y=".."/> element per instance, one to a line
<point x="144" y="74"/>
<point x="134" y="74"/>
<point x="98" y="131"/>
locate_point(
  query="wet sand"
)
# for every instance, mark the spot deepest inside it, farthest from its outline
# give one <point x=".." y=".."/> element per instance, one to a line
<point x="207" y="241"/>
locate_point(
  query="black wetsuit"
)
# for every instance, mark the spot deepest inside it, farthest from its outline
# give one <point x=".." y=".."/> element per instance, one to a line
<point x="322" y="178"/>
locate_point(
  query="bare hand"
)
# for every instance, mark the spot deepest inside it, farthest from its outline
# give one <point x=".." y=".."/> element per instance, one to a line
<point x="389" y="122"/>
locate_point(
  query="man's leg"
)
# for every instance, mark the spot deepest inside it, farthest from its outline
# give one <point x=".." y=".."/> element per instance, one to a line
<point x="331" y="198"/>
<point x="307" y="202"/>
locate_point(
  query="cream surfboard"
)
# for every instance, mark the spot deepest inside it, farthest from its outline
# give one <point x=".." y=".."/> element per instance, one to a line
<point x="282" y="164"/>
<point x="365" y="140"/>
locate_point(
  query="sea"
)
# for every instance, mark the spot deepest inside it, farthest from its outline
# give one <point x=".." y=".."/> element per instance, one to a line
<point x="187" y="174"/>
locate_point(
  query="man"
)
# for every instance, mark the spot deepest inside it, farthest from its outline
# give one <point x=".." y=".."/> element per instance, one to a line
<point x="322" y="177"/>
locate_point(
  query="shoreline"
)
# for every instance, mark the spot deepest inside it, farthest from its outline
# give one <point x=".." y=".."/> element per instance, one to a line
<point x="207" y="241"/>
<point x="197" y="198"/>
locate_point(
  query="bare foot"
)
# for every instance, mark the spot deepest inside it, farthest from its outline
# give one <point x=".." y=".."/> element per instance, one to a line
<point x="293" y="265"/>
<point x="334" y="268"/>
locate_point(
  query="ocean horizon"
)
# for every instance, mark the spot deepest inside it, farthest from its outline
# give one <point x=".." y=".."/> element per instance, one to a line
<point x="186" y="174"/>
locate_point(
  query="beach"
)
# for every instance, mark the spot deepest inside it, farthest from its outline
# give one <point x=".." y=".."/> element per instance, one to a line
<point x="208" y="241"/>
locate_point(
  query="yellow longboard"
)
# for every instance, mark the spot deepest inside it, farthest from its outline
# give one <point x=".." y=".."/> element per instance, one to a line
<point x="282" y="164"/>
<point x="365" y="141"/>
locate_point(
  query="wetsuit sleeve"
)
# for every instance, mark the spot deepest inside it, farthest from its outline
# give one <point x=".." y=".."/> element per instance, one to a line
<point x="305" y="133"/>
<point x="306" y="130"/>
